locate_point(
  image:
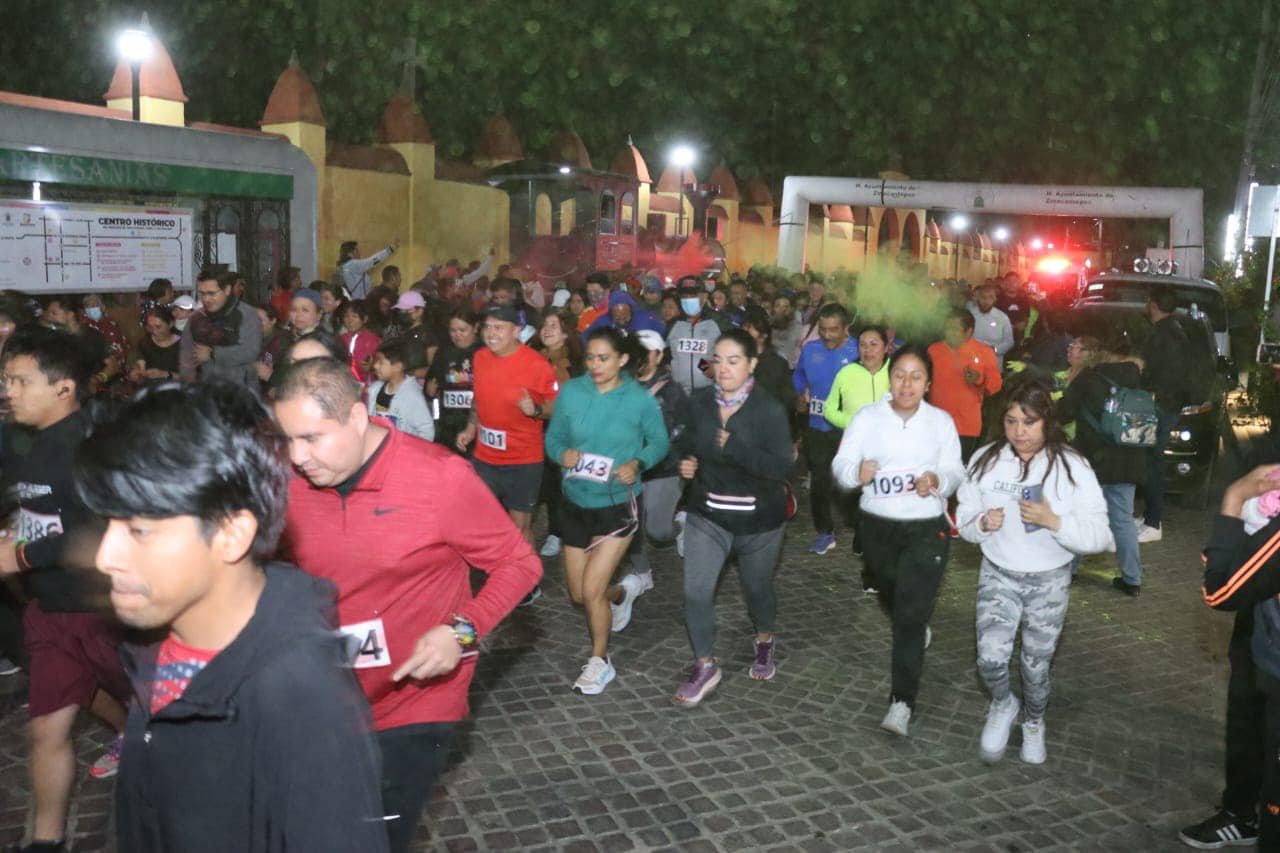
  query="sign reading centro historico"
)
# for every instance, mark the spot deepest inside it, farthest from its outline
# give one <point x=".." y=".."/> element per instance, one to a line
<point x="82" y="171"/>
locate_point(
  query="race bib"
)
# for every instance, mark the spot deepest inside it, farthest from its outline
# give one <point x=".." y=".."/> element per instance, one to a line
<point x="890" y="484"/>
<point x="372" y="638"/>
<point x="592" y="467"/>
<point x="691" y="346"/>
<point x="817" y="407"/>
<point x="457" y="399"/>
<point x="34" y="525"/>
<point x="494" y="439"/>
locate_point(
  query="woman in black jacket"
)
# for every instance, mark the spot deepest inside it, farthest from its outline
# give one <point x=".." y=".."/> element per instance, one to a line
<point x="736" y="450"/>
<point x="773" y="374"/>
<point x="1119" y="468"/>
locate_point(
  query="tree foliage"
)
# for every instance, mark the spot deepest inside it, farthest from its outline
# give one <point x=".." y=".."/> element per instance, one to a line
<point x="1150" y="93"/>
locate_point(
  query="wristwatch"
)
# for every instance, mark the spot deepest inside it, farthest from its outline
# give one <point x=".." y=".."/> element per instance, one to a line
<point x="464" y="631"/>
<point x="537" y="410"/>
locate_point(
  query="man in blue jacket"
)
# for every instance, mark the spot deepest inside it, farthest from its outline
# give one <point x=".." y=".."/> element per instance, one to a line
<point x="249" y="731"/>
<point x="819" y="363"/>
<point x="626" y="315"/>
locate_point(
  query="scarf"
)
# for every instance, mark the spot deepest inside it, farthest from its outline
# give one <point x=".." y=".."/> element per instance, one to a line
<point x="219" y="329"/>
<point x="737" y="398"/>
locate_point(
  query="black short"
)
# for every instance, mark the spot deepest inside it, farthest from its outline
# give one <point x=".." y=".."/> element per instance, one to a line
<point x="515" y="486"/>
<point x="580" y="525"/>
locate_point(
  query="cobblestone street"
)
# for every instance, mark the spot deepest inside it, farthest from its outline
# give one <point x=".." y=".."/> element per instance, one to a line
<point x="799" y="763"/>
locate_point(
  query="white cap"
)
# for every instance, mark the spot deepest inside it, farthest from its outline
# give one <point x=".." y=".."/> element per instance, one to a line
<point x="185" y="302"/>
<point x="560" y="298"/>
<point x="651" y="340"/>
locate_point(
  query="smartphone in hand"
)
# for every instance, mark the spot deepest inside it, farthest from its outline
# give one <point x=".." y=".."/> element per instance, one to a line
<point x="1033" y="494"/>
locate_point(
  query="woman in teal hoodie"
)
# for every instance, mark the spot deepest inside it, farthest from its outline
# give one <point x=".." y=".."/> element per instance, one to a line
<point x="605" y="431"/>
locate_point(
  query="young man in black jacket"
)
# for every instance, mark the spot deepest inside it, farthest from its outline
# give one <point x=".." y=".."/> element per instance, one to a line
<point x="248" y="731"/>
<point x="70" y="638"/>
<point x="1166" y="374"/>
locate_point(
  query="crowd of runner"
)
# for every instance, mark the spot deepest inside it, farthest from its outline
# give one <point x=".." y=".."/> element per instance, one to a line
<point x="246" y="479"/>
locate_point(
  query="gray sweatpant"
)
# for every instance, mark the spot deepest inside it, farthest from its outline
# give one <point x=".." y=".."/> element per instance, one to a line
<point x="1034" y="601"/>
<point x="660" y="498"/>
<point x="707" y="546"/>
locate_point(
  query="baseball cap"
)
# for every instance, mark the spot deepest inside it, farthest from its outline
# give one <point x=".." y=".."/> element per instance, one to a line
<point x="308" y="293"/>
<point x="688" y="286"/>
<point x="560" y="298"/>
<point x="506" y="313"/>
<point x="651" y="340"/>
<point x="185" y="302"/>
<point x="410" y="299"/>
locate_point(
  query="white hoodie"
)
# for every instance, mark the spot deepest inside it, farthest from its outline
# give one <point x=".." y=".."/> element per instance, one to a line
<point x="1081" y="507"/>
<point x="926" y="441"/>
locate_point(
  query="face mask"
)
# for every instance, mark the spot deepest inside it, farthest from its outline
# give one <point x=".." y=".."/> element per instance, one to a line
<point x="691" y="306"/>
<point x="181" y="324"/>
<point x="93" y="313"/>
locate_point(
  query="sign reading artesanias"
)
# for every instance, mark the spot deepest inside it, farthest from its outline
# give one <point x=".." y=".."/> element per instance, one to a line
<point x="81" y="247"/>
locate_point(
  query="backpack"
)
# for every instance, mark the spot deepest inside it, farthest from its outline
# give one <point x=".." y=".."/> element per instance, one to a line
<point x="1129" y="418"/>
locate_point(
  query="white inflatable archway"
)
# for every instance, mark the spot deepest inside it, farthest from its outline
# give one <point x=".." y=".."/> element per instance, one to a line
<point x="1183" y="207"/>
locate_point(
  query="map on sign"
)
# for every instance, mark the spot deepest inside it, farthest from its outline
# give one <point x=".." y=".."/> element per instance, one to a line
<point x="47" y="247"/>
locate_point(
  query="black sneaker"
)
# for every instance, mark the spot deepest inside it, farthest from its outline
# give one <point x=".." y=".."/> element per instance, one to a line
<point x="533" y="596"/>
<point x="1224" y="829"/>
<point x="1129" y="589"/>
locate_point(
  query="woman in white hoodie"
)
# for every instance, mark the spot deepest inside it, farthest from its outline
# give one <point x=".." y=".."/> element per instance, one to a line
<point x="905" y="454"/>
<point x="1031" y="503"/>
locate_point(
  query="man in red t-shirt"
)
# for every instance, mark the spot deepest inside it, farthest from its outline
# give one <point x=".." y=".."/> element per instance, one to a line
<point x="964" y="371"/>
<point x="514" y="392"/>
<point x="397" y="523"/>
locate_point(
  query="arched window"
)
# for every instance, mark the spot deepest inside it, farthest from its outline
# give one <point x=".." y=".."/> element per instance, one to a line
<point x="542" y="215"/>
<point x="608" y="213"/>
<point x="628" y="214"/>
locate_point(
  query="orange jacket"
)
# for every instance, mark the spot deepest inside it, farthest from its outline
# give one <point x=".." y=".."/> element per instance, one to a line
<point x="957" y="397"/>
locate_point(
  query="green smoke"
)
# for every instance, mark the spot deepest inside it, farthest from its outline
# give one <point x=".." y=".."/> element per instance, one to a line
<point x="893" y="295"/>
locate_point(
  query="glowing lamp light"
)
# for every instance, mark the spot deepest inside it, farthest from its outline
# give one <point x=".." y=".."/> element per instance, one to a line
<point x="1037" y="243"/>
<point x="682" y="156"/>
<point x="1050" y="245"/>
<point x="1001" y="233"/>
<point x="134" y="45"/>
<point x="1053" y="266"/>
<point x="564" y="170"/>
<point x="959" y="222"/>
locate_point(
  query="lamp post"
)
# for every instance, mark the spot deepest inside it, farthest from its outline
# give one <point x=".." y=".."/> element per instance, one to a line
<point x="134" y="47"/>
<point x="682" y="156"/>
<point x="957" y="223"/>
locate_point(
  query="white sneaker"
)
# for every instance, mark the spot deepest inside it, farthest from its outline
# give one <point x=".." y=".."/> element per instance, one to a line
<point x="551" y="547"/>
<point x="995" y="734"/>
<point x="680" y="518"/>
<point x="631" y="586"/>
<point x="1033" y="751"/>
<point x="897" y="719"/>
<point x="595" y="675"/>
<point x="928" y="636"/>
<point x="1149" y="534"/>
<point x="646" y="581"/>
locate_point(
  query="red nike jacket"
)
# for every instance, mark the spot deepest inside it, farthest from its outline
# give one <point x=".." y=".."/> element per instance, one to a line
<point x="398" y="548"/>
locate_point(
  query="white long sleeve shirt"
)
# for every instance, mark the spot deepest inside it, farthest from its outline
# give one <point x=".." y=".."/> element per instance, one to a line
<point x="993" y="329"/>
<point x="926" y="441"/>
<point x="1081" y="507"/>
<point x="355" y="273"/>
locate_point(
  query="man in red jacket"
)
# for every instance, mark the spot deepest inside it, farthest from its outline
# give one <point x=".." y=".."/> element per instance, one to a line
<point x="396" y="523"/>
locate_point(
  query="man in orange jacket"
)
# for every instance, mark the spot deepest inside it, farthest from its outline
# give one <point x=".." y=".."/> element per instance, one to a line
<point x="964" y="371"/>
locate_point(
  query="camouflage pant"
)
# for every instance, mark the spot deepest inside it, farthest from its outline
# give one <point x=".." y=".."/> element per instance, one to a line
<point x="1036" y="602"/>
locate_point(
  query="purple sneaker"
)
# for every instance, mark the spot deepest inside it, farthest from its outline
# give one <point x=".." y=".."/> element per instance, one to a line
<point x="763" y="669"/>
<point x="700" y="680"/>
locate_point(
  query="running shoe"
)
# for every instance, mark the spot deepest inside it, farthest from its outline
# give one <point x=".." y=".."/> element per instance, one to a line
<point x="534" y="595"/>
<point x="622" y="611"/>
<point x="1129" y="589"/>
<point x="897" y="719"/>
<point x="995" y="734"/>
<point x="869" y="589"/>
<point x="597" y="673"/>
<point x="824" y="543"/>
<point x="646" y="581"/>
<point x="108" y="764"/>
<point x="551" y="547"/>
<point x="8" y="667"/>
<point x="1225" y="829"/>
<point x="700" y="680"/>
<point x="1149" y="534"/>
<point x="764" y="668"/>
<point x="1033" y="751"/>
<point x="857" y="547"/>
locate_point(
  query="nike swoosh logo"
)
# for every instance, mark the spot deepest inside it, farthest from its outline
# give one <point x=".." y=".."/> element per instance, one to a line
<point x="377" y="510"/>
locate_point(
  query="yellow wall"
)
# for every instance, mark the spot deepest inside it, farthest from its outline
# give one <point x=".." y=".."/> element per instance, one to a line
<point x="153" y="110"/>
<point x="371" y="208"/>
<point x="464" y="220"/>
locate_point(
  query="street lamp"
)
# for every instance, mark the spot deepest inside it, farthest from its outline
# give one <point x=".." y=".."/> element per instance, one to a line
<point x="1037" y="243"/>
<point x="134" y="47"/>
<point x="957" y="223"/>
<point x="1001" y="233"/>
<point x="682" y="156"/>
